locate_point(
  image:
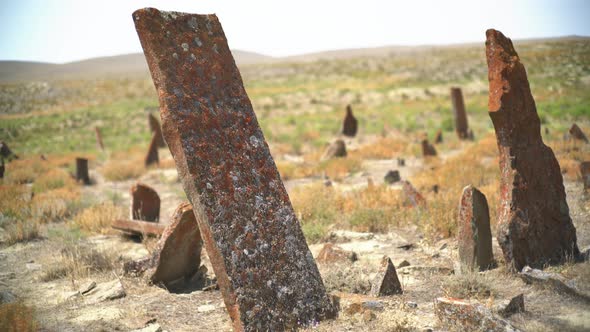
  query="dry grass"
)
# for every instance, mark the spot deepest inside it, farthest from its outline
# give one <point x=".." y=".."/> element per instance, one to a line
<point x="53" y="179"/>
<point x="55" y="205"/>
<point x="121" y="170"/>
<point x="470" y="285"/>
<point x="349" y="278"/>
<point x="98" y="218"/>
<point x="77" y="261"/>
<point x="383" y="148"/>
<point x="17" y="317"/>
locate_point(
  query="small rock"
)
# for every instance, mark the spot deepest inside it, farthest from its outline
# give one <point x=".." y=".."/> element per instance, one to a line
<point x="392" y="177"/>
<point x="406" y="246"/>
<point x="206" y="308"/>
<point x="105" y="292"/>
<point x="373" y="305"/>
<point x="386" y="281"/>
<point x="335" y="150"/>
<point x="403" y="263"/>
<point x="412" y="305"/>
<point x="512" y="306"/>
<point x="150" y="328"/>
<point x="331" y="253"/>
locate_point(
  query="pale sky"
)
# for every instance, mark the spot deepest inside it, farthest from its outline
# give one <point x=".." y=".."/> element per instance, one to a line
<point x="69" y="30"/>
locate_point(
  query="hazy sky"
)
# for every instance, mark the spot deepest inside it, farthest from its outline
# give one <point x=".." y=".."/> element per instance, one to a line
<point x="69" y="30"/>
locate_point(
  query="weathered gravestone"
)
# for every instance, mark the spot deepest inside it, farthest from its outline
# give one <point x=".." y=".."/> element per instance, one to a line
<point x="82" y="171"/>
<point x="350" y="124"/>
<point x="534" y="225"/>
<point x="98" y="138"/>
<point x="585" y="172"/>
<point x="265" y="271"/>
<point x="156" y="130"/>
<point x="145" y="203"/>
<point x="152" y="154"/>
<point x="6" y="153"/>
<point x="386" y="281"/>
<point x="475" y="235"/>
<point x="428" y="149"/>
<point x="459" y="114"/>
<point x="577" y="133"/>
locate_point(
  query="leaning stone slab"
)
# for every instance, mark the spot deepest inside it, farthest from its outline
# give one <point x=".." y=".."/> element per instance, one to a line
<point x="350" y="124"/>
<point x="156" y="130"/>
<point x="265" y="271"/>
<point x="465" y="315"/>
<point x="145" y="203"/>
<point x="578" y="134"/>
<point x="534" y="226"/>
<point x="557" y="281"/>
<point x="386" y="281"/>
<point x="138" y="227"/>
<point x="151" y="156"/>
<point x="475" y="235"/>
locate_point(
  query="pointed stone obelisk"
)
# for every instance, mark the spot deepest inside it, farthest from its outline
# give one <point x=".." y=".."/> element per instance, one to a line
<point x="264" y="269"/>
<point x="534" y="226"/>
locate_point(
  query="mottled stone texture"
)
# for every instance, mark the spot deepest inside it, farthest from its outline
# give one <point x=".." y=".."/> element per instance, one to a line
<point x="534" y="225"/>
<point x="145" y="203"/>
<point x="474" y="236"/>
<point x="386" y="281"/>
<point x="99" y="138"/>
<point x="265" y="271"/>
<point x="156" y="130"/>
<point x="464" y="315"/>
<point x="331" y="253"/>
<point x="585" y="172"/>
<point x="82" y="171"/>
<point x="459" y="114"/>
<point x="350" y="125"/>
<point x="152" y="155"/>
<point x="577" y="133"/>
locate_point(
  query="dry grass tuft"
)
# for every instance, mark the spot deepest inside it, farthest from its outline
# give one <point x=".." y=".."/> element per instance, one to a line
<point x="470" y="285"/>
<point x="346" y="278"/>
<point x="55" y="205"/>
<point x="53" y="179"/>
<point x="121" y="170"/>
<point x="17" y="317"/>
<point x="77" y="261"/>
<point x="98" y="218"/>
<point x="383" y="148"/>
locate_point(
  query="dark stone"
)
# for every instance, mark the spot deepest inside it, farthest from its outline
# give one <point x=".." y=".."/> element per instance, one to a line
<point x="577" y="133"/>
<point x="534" y="226"/>
<point x="6" y="153"/>
<point x="585" y="172"/>
<point x="510" y="307"/>
<point x="156" y="130"/>
<point x="145" y="203"/>
<point x="350" y="125"/>
<point x="459" y="114"/>
<point x="428" y="149"/>
<point x="439" y="137"/>
<point x="435" y="188"/>
<point x="82" y="171"/>
<point x="335" y="150"/>
<point x="152" y="154"/>
<point x="2" y="168"/>
<point x="99" y="138"/>
<point x="401" y="162"/>
<point x="386" y="281"/>
<point x="265" y="271"/>
<point x="474" y="235"/>
<point x="392" y="177"/>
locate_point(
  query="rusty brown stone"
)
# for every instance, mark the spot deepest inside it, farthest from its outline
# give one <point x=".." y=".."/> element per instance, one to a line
<point x="577" y="133"/>
<point x="265" y="271"/>
<point x="145" y="203"/>
<point x="99" y="142"/>
<point x="459" y="114"/>
<point x="156" y="130"/>
<point x="585" y="172"/>
<point x="335" y="150"/>
<point x="474" y="235"/>
<point x="412" y="195"/>
<point x="138" y="227"/>
<point x="386" y="281"/>
<point x="465" y="315"/>
<point x="534" y="226"/>
<point x="332" y="253"/>
<point x="82" y="171"/>
<point x="350" y="124"/>
<point x="439" y="137"/>
<point x="152" y="154"/>
<point x="428" y="149"/>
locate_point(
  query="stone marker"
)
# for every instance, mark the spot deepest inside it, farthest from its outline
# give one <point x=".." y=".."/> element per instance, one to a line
<point x="534" y="226"/>
<point x="428" y="149"/>
<point x="465" y="315"/>
<point x="510" y="307"/>
<point x="82" y="170"/>
<point x="475" y="235"/>
<point x="386" y="282"/>
<point x="401" y="162"/>
<point x="138" y="227"/>
<point x="577" y="133"/>
<point x="331" y="253"/>
<point x="439" y="137"/>
<point x="335" y="150"/>
<point x="178" y="252"/>
<point x="152" y="154"/>
<point x="145" y="203"/>
<point x="392" y="177"/>
<point x="350" y="124"/>
<point x="412" y="195"/>
<point x="156" y="130"/>
<point x="459" y="114"/>
<point x="98" y="138"/>
<point x="585" y="172"/>
<point x="265" y="271"/>
<point x="2" y="168"/>
<point x="5" y="152"/>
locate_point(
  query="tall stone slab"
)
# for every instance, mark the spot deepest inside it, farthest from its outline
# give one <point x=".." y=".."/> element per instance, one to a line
<point x="585" y="172"/>
<point x="475" y="235"/>
<point x="461" y="125"/>
<point x="82" y="171"/>
<point x="145" y="203"/>
<point x="534" y="225"/>
<point x="151" y="156"/>
<point x="350" y="124"/>
<point x="265" y="271"/>
<point x="156" y="130"/>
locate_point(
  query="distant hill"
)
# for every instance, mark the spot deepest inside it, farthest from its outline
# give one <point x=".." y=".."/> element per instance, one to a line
<point x="134" y="65"/>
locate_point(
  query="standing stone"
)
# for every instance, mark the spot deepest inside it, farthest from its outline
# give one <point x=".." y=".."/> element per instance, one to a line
<point x="461" y="125"/>
<point x="335" y="150"/>
<point x="428" y="149"/>
<point x="265" y="271"/>
<point x="6" y="153"/>
<point x="585" y="171"/>
<point x="474" y="236"/>
<point x="350" y="125"/>
<point x="534" y="226"/>
<point x="412" y="195"/>
<point x="439" y="137"/>
<point x="386" y="281"/>
<point x="99" y="138"/>
<point x="156" y="130"/>
<point x="152" y="154"/>
<point x="401" y="162"/>
<point x="82" y="171"/>
<point x="2" y="168"/>
<point x="577" y="133"/>
<point x="145" y="203"/>
<point x="392" y="177"/>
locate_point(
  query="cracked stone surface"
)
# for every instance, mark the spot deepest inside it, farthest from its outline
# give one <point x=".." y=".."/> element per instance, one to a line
<point x="265" y="271"/>
<point x="534" y="226"/>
